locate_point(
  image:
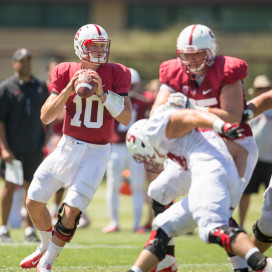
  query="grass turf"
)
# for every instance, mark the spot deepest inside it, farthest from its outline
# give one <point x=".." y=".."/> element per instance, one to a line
<point x="92" y="250"/>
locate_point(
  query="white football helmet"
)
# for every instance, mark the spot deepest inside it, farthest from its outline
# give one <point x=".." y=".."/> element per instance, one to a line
<point x="196" y="39"/>
<point x="89" y="34"/>
<point x="135" y="76"/>
<point x="139" y="146"/>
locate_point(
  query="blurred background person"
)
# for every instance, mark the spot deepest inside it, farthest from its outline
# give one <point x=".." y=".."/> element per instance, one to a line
<point x="22" y="135"/>
<point x="121" y="159"/>
<point x="262" y="132"/>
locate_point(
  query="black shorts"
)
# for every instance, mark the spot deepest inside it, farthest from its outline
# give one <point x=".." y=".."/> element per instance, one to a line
<point x="261" y="175"/>
<point x="30" y="162"/>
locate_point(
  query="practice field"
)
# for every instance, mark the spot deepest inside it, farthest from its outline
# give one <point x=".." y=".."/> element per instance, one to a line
<point x="92" y="250"/>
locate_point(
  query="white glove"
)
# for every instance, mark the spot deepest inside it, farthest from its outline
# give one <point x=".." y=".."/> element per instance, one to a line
<point x="179" y="100"/>
<point x="182" y="101"/>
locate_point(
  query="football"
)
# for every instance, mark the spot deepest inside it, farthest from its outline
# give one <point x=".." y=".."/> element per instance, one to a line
<point x="85" y="86"/>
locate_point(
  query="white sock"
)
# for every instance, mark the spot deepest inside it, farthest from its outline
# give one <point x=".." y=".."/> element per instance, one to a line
<point x="250" y="252"/>
<point x="46" y="237"/>
<point x="51" y="254"/>
<point x="237" y="262"/>
<point x="3" y="229"/>
<point x="136" y="269"/>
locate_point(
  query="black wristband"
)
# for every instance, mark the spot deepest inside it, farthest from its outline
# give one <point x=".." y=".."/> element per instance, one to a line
<point x="101" y="94"/>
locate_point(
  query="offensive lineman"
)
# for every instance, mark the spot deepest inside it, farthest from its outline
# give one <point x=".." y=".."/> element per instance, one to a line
<point x="81" y="156"/>
<point x="215" y="185"/>
<point x="214" y="84"/>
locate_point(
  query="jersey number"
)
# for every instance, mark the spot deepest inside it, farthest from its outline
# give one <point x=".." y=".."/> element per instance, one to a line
<point x="89" y="113"/>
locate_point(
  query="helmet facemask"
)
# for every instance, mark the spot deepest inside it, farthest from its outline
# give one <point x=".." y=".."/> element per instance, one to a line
<point x="142" y="151"/>
<point x="96" y="55"/>
<point x="195" y="68"/>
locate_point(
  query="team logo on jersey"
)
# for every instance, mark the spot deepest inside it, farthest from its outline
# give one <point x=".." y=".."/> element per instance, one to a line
<point x="185" y="89"/>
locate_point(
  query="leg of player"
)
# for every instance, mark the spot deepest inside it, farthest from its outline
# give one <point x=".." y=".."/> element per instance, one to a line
<point x="42" y="220"/>
<point x="68" y="218"/>
<point x="262" y="233"/>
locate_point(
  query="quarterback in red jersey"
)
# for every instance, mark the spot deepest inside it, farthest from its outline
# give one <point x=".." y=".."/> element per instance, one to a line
<point x="81" y="155"/>
<point x="204" y="81"/>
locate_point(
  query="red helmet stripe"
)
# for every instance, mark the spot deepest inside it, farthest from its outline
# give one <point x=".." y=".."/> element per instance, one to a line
<point x="98" y="29"/>
<point x="191" y="35"/>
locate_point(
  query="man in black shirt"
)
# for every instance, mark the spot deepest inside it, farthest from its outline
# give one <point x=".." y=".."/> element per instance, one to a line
<point x="22" y="134"/>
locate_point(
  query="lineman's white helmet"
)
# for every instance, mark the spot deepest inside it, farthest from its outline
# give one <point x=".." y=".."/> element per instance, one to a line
<point x="139" y="146"/>
<point x="89" y="34"/>
<point x="192" y="40"/>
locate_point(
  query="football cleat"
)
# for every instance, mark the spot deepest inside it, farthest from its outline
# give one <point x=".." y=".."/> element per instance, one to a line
<point x="268" y="266"/>
<point x="32" y="238"/>
<point x="140" y="230"/>
<point x="110" y="228"/>
<point x="44" y="268"/>
<point x="5" y="238"/>
<point x="33" y="259"/>
<point x="168" y="264"/>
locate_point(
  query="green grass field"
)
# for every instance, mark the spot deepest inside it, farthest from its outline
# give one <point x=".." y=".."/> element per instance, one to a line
<point x="92" y="250"/>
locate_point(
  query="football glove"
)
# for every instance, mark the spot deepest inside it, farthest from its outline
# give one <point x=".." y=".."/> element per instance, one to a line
<point x="179" y="100"/>
<point x="232" y="131"/>
<point x="182" y="101"/>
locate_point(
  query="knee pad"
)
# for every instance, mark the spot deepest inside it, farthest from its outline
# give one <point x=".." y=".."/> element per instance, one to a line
<point x="61" y="231"/>
<point x="158" y="246"/>
<point x="224" y="236"/>
<point x="158" y="207"/>
<point x="259" y="235"/>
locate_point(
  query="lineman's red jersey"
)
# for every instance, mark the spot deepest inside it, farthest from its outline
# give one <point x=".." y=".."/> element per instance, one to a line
<point x="87" y="119"/>
<point x="225" y="70"/>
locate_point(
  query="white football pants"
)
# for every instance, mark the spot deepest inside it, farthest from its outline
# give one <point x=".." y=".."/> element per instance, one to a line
<point x="120" y="160"/>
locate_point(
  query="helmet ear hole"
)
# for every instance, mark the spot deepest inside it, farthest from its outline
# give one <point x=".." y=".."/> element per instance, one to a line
<point x="143" y="145"/>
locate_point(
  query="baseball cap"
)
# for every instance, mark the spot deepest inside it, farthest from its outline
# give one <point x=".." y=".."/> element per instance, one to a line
<point x="21" y="53"/>
<point x="261" y="81"/>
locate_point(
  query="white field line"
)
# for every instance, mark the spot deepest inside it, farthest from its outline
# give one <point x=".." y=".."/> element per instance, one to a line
<point x="75" y="268"/>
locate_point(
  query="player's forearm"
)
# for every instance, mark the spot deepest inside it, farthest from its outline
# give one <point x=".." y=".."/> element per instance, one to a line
<point x="261" y="103"/>
<point x="160" y="99"/>
<point x="53" y="107"/>
<point x="228" y="116"/>
<point x="126" y="115"/>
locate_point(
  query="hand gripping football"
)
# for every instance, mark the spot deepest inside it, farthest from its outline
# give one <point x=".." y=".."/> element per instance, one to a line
<point x="84" y="85"/>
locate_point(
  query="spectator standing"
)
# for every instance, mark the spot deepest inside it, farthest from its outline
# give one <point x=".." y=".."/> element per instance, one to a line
<point x="262" y="131"/>
<point x="22" y="134"/>
<point x="121" y="159"/>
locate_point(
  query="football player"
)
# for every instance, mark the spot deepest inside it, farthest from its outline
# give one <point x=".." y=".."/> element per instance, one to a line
<point x="215" y="183"/>
<point x="212" y="83"/>
<point x="81" y="156"/>
<point x="262" y="232"/>
<point x="121" y="159"/>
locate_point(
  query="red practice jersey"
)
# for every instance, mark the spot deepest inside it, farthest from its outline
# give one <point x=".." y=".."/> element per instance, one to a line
<point x="140" y="110"/>
<point x="87" y="119"/>
<point x="225" y="70"/>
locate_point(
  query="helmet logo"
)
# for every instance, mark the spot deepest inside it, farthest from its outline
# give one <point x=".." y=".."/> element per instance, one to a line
<point x="211" y="34"/>
<point x="77" y="34"/>
<point x="90" y="42"/>
<point x="131" y="137"/>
